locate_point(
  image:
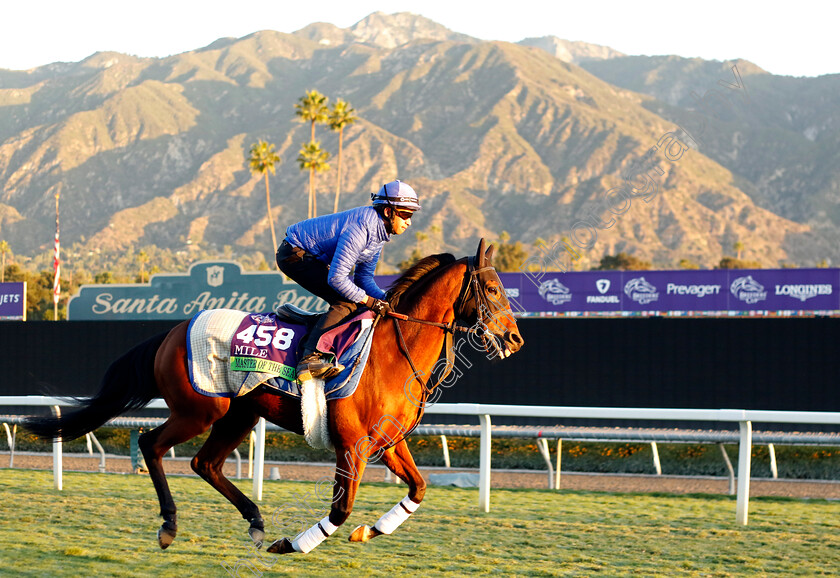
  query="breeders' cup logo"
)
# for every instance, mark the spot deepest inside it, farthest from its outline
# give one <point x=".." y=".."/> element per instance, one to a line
<point x="641" y="291"/>
<point x="602" y="285"/>
<point x="555" y="292"/>
<point x="748" y="290"/>
<point x="215" y="276"/>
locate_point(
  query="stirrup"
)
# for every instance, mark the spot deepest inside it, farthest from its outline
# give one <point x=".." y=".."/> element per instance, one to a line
<point x="314" y="366"/>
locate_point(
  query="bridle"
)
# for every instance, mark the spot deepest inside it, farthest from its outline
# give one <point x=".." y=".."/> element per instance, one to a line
<point x="471" y="300"/>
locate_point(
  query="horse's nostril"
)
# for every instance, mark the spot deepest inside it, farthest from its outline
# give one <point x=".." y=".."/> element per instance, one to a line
<point x="515" y="338"/>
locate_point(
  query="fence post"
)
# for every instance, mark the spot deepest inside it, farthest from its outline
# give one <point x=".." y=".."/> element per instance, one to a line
<point x="657" y="465"/>
<point x="744" y="463"/>
<point x="138" y="463"/>
<point x="259" y="459"/>
<point x="484" y="464"/>
<point x="57" y="463"/>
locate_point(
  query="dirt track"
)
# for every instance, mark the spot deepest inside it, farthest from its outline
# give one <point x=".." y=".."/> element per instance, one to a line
<point x="499" y="478"/>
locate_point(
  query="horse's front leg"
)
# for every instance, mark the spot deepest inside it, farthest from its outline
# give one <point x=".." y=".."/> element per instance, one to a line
<point x="398" y="459"/>
<point x="348" y="474"/>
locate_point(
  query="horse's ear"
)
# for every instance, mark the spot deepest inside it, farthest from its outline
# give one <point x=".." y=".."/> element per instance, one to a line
<point x="479" y="255"/>
<point x="489" y="254"/>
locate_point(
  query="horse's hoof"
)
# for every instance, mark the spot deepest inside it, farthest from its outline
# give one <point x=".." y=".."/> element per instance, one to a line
<point x="257" y="532"/>
<point x="257" y="535"/>
<point x="364" y="533"/>
<point x="283" y="546"/>
<point x="165" y="537"/>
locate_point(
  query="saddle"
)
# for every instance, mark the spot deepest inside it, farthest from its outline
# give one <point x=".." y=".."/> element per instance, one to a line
<point x="296" y="316"/>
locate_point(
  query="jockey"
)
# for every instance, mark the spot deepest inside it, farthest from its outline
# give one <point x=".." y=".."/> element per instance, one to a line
<point x="320" y="254"/>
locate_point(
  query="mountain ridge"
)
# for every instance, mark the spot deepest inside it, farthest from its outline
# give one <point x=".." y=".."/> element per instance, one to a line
<point x="495" y="136"/>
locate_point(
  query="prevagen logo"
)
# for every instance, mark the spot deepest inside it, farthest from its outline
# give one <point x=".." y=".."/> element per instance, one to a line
<point x="748" y="290"/>
<point x="555" y="292"/>
<point x="641" y="291"/>
<point x="698" y="290"/>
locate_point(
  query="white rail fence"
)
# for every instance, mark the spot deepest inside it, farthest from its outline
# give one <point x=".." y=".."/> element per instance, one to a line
<point x="744" y="419"/>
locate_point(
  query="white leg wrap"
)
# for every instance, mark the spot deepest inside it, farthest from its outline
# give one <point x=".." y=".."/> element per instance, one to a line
<point x="398" y="514"/>
<point x="307" y="541"/>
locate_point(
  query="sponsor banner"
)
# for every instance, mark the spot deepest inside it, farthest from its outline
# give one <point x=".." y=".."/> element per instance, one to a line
<point x="207" y="285"/>
<point x="214" y="285"/>
<point x="685" y="290"/>
<point x="13" y="301"/>
<point x="784" y="289"/>
<point x="563" y="292"/>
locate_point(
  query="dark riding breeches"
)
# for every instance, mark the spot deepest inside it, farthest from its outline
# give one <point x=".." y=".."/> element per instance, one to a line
<point x="311" y="273"/>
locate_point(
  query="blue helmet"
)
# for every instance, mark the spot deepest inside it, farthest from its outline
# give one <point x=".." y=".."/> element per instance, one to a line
<point x="396" y="194"/>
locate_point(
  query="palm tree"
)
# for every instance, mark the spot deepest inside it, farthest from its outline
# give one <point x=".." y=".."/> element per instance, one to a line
<point x="262" y="161"/>
<point x="314" y="159"/>
<point x="738" y="246"/>
<point x="4" y="248"/>
<point x="312" y="107"/>
<point x="340" y="116"/>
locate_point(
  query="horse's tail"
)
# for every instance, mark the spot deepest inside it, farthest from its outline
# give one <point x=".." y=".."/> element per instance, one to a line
<point x="129" y="384"/>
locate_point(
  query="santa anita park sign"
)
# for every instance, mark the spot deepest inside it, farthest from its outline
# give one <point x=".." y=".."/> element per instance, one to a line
<point x="208" y="285"/>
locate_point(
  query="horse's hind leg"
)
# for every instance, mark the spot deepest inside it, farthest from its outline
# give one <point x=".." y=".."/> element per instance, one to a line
<point x="226" y="435"/>
<point x="398" y="459"/>
<point x="154" y="445"/>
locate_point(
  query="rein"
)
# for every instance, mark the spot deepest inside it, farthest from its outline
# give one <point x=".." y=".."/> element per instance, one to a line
<point x="470" y="282"/>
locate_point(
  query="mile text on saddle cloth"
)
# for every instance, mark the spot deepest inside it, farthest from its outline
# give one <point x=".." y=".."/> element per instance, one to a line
<point x="232" y="352"/>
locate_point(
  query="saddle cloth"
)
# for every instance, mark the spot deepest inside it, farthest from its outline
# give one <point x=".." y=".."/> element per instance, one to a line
<point x="232" y="352"/>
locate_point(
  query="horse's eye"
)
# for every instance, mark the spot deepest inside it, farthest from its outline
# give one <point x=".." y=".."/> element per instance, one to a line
<point x="492" y="290"/>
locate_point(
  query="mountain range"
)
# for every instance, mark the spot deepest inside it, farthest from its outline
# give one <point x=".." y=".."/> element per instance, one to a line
<point x="525" y="138"/>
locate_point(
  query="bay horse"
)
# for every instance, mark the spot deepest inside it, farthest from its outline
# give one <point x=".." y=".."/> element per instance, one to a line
<point x="429" y="300"/>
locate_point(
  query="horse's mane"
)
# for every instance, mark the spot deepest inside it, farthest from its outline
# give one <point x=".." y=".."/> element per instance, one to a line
<point x="416" y="272"/>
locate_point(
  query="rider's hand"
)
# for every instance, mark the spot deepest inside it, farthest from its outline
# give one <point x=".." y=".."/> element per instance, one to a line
<point x="378" y="306"/>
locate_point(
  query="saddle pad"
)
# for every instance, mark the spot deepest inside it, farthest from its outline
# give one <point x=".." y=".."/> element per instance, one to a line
<point x="220" y="340"/>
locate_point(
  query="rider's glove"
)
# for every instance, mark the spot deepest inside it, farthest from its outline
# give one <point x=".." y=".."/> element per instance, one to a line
<point x="378" y="306"/>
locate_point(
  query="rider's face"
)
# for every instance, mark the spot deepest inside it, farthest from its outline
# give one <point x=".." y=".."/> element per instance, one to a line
<point x="401" y="221"/>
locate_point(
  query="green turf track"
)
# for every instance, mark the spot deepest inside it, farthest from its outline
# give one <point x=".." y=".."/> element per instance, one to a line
<point x="105" y="524"/>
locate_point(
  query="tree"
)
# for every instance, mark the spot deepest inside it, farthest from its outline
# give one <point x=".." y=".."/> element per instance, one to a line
<point x="509" y="256"/>
<point x="687" y="264"/>
<point x="142" y="259"/>
<point x="314" y="159"/>
<point x="312" y="108"/>
<point x="262" y="161"/>
<point x="340" y="116"/>
<point x="622" y="262"/>
<point x="739" y="247"/>
<point x="4" y="248"/>
<point x="733" y="263"/>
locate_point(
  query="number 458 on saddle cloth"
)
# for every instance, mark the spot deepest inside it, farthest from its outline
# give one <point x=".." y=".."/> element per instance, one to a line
<point x="232" y="352"/>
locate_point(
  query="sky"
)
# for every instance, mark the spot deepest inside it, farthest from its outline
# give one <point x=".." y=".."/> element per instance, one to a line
<point x="797" y="39"/>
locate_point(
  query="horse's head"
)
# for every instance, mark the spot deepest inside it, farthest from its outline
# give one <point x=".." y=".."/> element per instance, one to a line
<point x="483" y="304"/>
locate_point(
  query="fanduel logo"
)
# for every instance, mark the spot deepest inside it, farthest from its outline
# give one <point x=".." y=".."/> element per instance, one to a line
<point x="641" y="291"/>
<point x="698" y="290"/>
<point x="803" y="292"/>
<point x="555" y="292"/>
<point x="748" y="290"/>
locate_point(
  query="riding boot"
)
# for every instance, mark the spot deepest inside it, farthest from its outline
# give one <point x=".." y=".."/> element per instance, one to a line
<point x="317" y="365"/>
